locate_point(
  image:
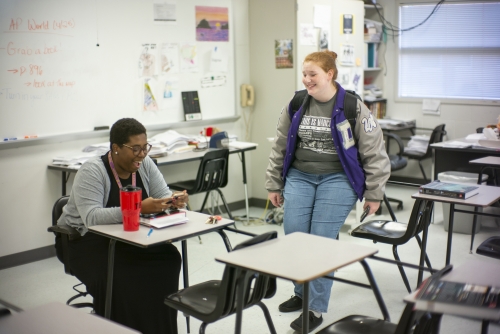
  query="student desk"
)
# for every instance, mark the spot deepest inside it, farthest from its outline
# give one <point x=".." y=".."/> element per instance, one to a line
<point x="487" y="196"/>
<point x="301" y="258"/>
<point x="477" y="272"/>
<point x="175" y="159"/>
<point x="194" y="227"/>
<point x="457" y="159"/>
<point x="57" y="318"/>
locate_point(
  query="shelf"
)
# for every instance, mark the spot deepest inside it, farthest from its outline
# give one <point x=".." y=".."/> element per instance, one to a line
<point x="372" y="69"/>
<point x="373" y="7"/>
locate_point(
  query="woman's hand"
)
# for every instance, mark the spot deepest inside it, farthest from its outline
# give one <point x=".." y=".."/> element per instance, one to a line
<point x="373" y="207"/>
<point x="178" y="200"/>
<point x="153" y="205"/>
<point x="276" y="199"/>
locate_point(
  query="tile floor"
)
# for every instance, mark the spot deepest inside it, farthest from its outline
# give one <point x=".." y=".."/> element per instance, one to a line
<point x="44" y="281"/>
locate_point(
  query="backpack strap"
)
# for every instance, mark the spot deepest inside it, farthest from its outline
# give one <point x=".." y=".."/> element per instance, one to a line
<point x="350" y="105"/>
<point x="299" y="99"/>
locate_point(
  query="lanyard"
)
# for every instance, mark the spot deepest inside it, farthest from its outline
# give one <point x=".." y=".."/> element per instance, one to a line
<point x="112" y="165"/>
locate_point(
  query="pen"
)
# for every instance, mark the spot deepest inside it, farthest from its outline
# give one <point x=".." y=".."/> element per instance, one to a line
<point x="150" y="231"/>
<point x="10" y="139"/>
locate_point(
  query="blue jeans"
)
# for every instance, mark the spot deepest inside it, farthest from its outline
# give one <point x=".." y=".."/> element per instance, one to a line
<point x="317" y="204"/>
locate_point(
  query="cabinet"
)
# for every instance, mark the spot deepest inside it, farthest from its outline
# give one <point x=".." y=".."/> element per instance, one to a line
<point x="374" y="64"/>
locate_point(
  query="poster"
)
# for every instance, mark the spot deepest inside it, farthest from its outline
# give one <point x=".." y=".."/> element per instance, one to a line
<point x="347" y="24"/>
<point x="283" y="53"/>
<point x="189" y="58"/>
<point x="212" y="24"/>
<point x="147" y="60"/>
<point x="169" y="58"/>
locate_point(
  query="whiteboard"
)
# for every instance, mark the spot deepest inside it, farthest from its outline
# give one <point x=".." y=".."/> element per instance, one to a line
<point x="69" y="65"/>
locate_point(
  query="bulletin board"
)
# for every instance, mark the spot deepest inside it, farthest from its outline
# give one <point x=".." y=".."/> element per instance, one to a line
<point x="69" y="66"/>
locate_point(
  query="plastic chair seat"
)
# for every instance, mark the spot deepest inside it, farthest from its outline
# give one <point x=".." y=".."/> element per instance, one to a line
<point x="200" y="297"/>
<point x="490" y="247"/>
<point x="213" y="300"/>
<point x="384" y="231"/>
<point x="397" y="233"/>
<point x="397" y="162"/>
<point x="356" y="324"/>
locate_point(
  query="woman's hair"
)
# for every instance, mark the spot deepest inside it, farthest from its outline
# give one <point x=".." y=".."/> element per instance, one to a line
<point x="122" y="130"/>
<point x="324" y="59"/>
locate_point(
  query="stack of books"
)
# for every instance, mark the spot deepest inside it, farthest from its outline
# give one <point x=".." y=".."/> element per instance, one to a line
<point x="459" y="293"/>
<point x="451" y="190"/>
<point x="164" y="219"/>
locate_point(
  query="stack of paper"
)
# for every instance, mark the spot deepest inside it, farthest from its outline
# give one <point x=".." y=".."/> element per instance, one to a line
<point x="74" y="161"/>
<point x="169" y="142"/>
<point x="97" y="149"/>
<point x="417" y="144"/>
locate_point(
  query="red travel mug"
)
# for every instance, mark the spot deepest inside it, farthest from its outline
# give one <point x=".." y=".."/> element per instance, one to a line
<point x="131" y="204"/>
<point x="209" y="131"/>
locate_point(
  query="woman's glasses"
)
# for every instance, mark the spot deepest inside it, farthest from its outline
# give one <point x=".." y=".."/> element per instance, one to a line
<point x="137" y="149"/>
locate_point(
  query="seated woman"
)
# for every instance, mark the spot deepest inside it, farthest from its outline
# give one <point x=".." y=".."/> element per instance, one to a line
<point x="142" y="276"/>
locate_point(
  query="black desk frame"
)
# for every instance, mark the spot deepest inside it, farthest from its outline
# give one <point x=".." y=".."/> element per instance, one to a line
<point x="111" y="258"/>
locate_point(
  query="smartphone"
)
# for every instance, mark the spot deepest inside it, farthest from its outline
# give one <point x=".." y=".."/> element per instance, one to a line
<point x="175" y="197"/>
<point x="365" y="213"/>
<point x="152" y="215"/>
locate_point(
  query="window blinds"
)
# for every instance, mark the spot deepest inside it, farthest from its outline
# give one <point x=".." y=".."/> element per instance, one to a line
<point x="455" y="54"/>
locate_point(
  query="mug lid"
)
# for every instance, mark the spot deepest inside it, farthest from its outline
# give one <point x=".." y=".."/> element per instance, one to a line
<point x="130" y="188"/>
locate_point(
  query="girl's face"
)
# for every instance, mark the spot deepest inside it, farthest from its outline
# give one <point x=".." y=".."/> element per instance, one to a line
<point x="317" y="82"/>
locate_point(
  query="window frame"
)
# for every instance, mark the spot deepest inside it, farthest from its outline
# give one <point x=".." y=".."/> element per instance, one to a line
<point x="399" y="3"/>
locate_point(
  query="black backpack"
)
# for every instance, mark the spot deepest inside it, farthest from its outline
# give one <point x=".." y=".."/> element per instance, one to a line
<point x="350" y="103"/>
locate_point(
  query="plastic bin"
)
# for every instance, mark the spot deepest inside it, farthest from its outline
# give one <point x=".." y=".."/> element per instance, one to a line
<point x="462" y="222"/>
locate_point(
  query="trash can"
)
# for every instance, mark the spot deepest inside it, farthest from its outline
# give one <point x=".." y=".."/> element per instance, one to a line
<point x="462" y="222"/>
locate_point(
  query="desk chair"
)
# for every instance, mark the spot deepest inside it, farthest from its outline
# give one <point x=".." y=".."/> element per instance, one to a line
<point x="436" y="137"/>
<point x="213" y="300"/>
<point x="424" y="322"/>
<point x="63" y="235"/>
<point x="397" y="162"/>
<point x="411" y="321"/>
<point x="490" y="247"/>
<point x="396" y="233"/>
<point x="212" y="175"/>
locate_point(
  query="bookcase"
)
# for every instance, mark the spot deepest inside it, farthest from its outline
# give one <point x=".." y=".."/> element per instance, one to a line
<point x="374" y="66"/>
<point x="377" y="107"/>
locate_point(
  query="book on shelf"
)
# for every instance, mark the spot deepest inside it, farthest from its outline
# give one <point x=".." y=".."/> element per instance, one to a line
<point x="451" y="190"/>
<point x="437" y="290"/>
<point x="164" y="219"/>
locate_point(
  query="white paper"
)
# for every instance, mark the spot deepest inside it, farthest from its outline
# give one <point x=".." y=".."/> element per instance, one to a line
<point x="165" y="11"/>
<point x="347" y="55"/>
<point x="213" y="81"/>
<point x="169" y="58"/>
<point x="308" y="35"/>
<point x="149" y="99"/>
<point x="189" y="57"/>
<point x="322" y="16"/>
<point x="430" y="106"/>
<point x="147" y="60"/>
<point x="218" y="60"/>
<point x="169" y="95"/>
<point x="324" y="39"/>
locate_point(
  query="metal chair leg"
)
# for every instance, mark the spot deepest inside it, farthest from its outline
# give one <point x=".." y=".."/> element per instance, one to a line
<point x="423" y="172"/>
<point x="269" y="320"/>
<point x="401" y="269"/>
<point x="427" y="261"/>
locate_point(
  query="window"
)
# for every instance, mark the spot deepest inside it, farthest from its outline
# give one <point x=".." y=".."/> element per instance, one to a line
<point x="454" y="55"/>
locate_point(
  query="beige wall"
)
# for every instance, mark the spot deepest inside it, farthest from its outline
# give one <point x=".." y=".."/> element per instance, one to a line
<point x="269" y="21"/>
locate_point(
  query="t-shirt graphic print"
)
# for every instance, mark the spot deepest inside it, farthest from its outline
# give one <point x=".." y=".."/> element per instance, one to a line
<point x="316" y="135"/>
